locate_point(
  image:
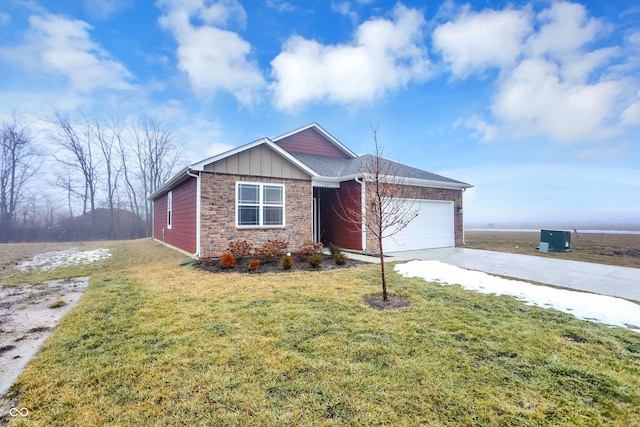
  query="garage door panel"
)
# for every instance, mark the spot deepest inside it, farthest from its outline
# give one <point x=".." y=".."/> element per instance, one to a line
<point x="432" y="228"/>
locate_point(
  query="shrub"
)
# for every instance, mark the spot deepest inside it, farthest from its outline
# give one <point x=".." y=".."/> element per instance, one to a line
<point x="272" y="250"/>
<point x="334" y="250"/>
<point x="227" y="260"/>
<point x="340" y="259"/>
<point x="315" y="260"/>
<point x="309" y="248"/>
<point x="287" y="262"/>
<point x="338" y="256"/>
<point x="240" y="248"/>
<point x="254" y="264"/>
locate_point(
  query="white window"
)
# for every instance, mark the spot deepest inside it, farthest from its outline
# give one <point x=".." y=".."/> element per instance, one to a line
<point x="169" y="208"/>
<point x="259" y="205"/>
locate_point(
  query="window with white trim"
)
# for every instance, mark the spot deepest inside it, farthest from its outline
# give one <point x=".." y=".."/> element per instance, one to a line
<point x="169" y="208"/>
<point x="259" y="205"/>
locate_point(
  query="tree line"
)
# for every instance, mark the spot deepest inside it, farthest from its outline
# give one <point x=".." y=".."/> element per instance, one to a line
<point x="86" y="176"/>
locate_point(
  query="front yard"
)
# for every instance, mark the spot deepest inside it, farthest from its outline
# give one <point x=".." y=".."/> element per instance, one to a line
<point x="155" y="343"/>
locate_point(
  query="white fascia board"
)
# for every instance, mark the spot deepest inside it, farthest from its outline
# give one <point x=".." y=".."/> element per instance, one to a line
<point x="167" y="185"/>
<point x="326" y="134"/>
<point x="199" y="166"/>
<point x="266" y="141"/>
<point x="325" y="183"/>
<point x="334" y="182"/>
<point x="437" y="184"/>
<point x="417" y="182"/>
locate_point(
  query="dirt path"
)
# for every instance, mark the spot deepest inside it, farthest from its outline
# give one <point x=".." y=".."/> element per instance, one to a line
<point x="28" y="315"/>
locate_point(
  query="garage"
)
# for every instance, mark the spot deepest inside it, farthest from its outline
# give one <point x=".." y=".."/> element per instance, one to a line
<point x="432" y="228"/>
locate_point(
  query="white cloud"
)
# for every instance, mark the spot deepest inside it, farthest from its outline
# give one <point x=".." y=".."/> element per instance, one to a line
<point x="281" y="6"/>
<point x="384" y="55"/>
<point x="213" y="58"/>
<point x="631" y="115"/>
<point x="482" y="130"/>
<point x="565" y="29"/>
<point x="535" y="101"/>
<point x="59" y="46"/>
<point x="104" y="9"/>
<point x="344" y="8"/>
<point x="204" y="138"/>
<point x="475" y="42"/>
<point x="551" y="81"/>
<point x="579" y="67"/>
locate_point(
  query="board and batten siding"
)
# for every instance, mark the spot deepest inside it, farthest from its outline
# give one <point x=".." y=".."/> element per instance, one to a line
<point x="258" y="161"/>
<point x="182" y="233"/>
<point x="310" y="141"/>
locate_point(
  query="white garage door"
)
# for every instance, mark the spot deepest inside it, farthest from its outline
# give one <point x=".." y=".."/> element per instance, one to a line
<point x="433" y="228"/>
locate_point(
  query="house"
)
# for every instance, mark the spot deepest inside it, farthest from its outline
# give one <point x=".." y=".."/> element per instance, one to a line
<point x="292" y="188"/>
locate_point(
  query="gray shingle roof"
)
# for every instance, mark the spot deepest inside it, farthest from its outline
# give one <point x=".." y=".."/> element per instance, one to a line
<point x="331" y="167"/>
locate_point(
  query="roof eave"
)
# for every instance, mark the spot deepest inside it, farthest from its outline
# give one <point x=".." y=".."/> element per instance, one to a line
<point x="432" y="183"/>
<point x="199" y="166"/>
<point x="266" y="141"/>
<point x="401" y="180"/>
<point x="437" y="184"/>
<point x="176" y="179"/>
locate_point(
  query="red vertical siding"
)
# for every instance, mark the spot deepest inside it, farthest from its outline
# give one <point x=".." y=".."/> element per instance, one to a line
<point x="182" y="234"/>
<point x="333" y="227"/>
<point x="310" y="141"/>
<point x="159" y="216"/>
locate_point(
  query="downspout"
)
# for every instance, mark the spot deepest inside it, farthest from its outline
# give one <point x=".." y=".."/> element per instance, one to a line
<point x="363" y="206"/>
<point x="464" y="241"/>
<point x="198" y="193"/>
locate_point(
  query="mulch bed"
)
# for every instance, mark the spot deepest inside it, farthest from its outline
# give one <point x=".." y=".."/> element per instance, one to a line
<point x="242" y="265"/>
<point x="392" y="303"/>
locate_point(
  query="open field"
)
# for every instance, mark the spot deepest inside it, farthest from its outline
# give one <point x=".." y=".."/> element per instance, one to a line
<point x="613" y="249"/>
<point x="155" y="343"/>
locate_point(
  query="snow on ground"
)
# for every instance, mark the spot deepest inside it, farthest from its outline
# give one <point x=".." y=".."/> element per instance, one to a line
<point x="50" y="260"/>
<point x="586" y="306"/>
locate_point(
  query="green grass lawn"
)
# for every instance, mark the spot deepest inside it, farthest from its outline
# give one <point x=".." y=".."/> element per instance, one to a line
<point x="154" y="343"/>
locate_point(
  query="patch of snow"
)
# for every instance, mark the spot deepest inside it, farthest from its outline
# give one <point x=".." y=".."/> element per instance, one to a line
<point x="593" y="307"/>
<point x="51" y="260"/>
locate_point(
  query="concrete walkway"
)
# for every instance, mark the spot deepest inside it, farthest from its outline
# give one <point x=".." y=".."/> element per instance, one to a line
<point x="622" y="282"/>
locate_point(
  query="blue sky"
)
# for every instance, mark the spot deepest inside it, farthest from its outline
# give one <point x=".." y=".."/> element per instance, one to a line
<point x="537" y="103"/>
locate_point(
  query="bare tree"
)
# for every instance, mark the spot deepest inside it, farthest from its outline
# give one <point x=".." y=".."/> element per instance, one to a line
<point x="105" y="139"/>
<point x="77" y="145"/>
<point x="388" y="208"/>
<point x="122" y="147"/>
<point x="17" y="165"/>
<point x="156" y="156"/>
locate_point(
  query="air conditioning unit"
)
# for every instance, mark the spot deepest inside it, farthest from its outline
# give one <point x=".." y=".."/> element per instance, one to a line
<point x="559" y="241"/>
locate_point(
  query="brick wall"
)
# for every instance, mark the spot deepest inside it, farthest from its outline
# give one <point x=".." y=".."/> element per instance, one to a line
<point x="426" y="193"/>
<point x="218" y="214"/>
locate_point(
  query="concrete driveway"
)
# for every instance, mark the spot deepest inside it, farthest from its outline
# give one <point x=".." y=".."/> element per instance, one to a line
<point x="623" y="282"/>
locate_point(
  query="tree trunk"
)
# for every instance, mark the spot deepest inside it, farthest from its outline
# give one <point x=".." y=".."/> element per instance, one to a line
<point x="383" y="273"/>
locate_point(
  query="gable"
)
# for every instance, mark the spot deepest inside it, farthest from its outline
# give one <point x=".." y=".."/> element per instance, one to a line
<point x="311" y="141"/>
<point x="257" y="161"/>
